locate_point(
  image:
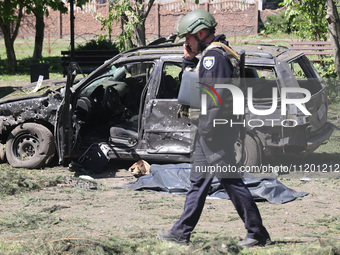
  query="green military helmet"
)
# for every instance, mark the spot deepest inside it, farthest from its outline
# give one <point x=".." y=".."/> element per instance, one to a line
<point x="195" y="21"/>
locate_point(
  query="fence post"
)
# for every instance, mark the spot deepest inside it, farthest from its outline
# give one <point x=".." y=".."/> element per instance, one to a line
<point x="60" y="25"/>
<point x="157" y="24"/>
<point x="206" y="6"/>
<point x="256" y="16"/>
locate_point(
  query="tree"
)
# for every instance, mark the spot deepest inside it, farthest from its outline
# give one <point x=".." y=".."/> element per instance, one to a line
<point x="334" y="30"/>
<point x="307" y="18"/>
<point x="40" y="9"/>
<point x="132" y="15"/>
<point x="11" y="13"/>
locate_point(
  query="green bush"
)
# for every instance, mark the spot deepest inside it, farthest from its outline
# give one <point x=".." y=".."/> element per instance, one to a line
<point x="97" y="44"/>
<point x="279" y="23"/>
<point x="327" y="71"/>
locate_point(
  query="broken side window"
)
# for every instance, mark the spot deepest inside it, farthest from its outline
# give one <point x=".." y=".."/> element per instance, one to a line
<point x="170" y="80"/>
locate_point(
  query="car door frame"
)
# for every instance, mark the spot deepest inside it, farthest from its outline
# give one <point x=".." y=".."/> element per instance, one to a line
<point x="184" y="125"/>
<point x="65" y="137"/>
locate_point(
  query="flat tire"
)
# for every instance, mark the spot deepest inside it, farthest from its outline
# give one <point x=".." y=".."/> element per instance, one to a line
<point x="30" y="145"/>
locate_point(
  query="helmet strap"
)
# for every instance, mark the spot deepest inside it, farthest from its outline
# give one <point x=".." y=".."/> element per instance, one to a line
<point x="201" y="41"/>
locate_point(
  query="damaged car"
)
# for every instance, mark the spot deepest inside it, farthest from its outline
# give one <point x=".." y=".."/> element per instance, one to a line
<point x="127" y="109"/>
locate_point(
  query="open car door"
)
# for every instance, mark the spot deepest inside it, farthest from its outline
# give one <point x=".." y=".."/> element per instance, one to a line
<point x="64" y="128"/>
<point x="164" y="131"/>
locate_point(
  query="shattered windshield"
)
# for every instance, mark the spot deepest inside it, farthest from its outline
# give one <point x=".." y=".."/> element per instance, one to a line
<point x="110" y="70"/>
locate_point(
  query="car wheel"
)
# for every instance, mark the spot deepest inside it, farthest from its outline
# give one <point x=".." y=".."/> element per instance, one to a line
<point x="251" y="152"/>
<point x="29" y="145"/>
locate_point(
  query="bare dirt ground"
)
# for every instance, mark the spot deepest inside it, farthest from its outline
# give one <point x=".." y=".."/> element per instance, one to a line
<point x="34" y="222"/>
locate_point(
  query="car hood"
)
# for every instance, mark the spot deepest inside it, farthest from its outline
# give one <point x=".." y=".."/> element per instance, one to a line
<point x="30" y="90"/>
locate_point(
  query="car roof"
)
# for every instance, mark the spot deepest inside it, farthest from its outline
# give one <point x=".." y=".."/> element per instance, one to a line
<point x="257" y="54"/>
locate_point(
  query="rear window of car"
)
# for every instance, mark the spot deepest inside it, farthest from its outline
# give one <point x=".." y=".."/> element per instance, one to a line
<point x="306" y="75"/>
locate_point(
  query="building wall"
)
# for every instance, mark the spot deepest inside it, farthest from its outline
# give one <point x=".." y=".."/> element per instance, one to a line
<point x="235" y="17"/>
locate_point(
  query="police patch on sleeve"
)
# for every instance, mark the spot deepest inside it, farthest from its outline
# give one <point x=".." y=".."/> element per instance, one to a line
<point x="208" y="62"/>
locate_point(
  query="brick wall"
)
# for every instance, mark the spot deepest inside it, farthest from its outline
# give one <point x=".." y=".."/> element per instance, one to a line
<point x="234" y="18"/>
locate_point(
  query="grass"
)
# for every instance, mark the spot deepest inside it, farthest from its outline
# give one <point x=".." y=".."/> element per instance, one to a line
<point x="276" y="39"/>
<point x="55" y="69"/>
<point x="333" y="145"/>
<point x="24" y="50"/>
<point x="16" y="181"/>
<point x="70" y="242"/>
<point x="42" y="231"/>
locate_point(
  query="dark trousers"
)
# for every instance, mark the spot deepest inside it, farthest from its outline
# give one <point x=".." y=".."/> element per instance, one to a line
<point x="235" y="187"/>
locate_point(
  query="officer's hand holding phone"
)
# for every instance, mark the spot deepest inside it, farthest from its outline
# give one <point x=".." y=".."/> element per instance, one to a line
<point x="188" y="52"/>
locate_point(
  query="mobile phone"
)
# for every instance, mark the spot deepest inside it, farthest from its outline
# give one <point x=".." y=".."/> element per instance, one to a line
<point x="188" y="48"/>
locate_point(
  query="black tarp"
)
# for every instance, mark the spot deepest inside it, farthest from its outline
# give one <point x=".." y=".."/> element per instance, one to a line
<point x="174" y="178"/>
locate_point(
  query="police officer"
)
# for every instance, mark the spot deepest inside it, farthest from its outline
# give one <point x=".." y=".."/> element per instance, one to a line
<point x="215" y="145"/>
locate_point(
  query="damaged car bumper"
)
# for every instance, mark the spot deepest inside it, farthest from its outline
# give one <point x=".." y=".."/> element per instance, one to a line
<point x="315" y="139"/>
